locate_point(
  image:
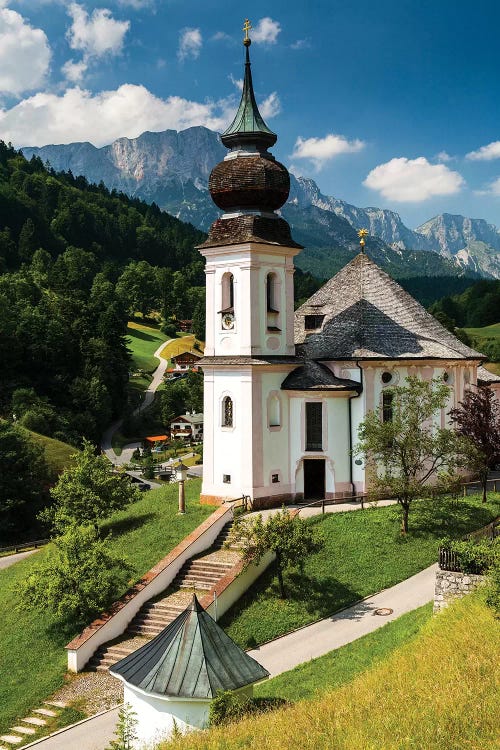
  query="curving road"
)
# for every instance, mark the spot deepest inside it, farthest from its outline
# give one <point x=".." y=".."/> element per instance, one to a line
<point x="107" y="438"/>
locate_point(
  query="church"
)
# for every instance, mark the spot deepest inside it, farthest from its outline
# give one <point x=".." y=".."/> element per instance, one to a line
<point x="285" y="391"/>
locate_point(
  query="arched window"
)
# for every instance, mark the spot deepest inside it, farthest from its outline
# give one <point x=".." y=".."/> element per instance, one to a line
<point x="274" y="411"/>
<point x="227" y="412"/>
<point x="227" y="293"/>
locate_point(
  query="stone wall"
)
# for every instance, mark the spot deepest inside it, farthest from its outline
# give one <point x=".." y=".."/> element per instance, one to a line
<point x="451" y="584"/>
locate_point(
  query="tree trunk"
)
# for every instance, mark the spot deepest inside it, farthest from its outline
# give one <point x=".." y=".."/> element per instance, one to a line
<point x="485" y="484"/>
<point x="404" y="517"/>
<point x="279" y="573"/>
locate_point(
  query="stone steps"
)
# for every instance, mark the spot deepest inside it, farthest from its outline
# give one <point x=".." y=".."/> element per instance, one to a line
<point x="31" y="725"/>
<point x="201" y="575"/>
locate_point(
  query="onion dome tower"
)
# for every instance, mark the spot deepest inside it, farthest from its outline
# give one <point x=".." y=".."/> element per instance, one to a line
<point x="249" y="185"/>
<point x="249" y="341"/>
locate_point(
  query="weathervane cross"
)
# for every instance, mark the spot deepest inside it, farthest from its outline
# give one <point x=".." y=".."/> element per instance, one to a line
<point x="362" y="234"/>
<point x="246" y="28"/>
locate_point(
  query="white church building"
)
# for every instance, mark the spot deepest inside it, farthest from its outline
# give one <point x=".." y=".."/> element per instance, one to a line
<point x="285" y="392"/>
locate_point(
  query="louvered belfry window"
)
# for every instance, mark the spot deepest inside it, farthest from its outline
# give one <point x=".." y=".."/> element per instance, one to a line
<point x="227" y="412"/>
<point x="314" y="427"/>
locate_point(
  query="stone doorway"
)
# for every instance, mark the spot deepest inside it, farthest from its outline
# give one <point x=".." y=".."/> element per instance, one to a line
<point x="314" y="479"/>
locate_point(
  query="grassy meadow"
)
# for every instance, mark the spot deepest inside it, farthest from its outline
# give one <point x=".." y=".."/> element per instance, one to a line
<point x="363" y="553"/>
<point x="311" y="679"/>
<point x="143" y="341"/>
<point x="57" y="454"/>
<point x="32" y="655"/>
<point x="439" y="691"/>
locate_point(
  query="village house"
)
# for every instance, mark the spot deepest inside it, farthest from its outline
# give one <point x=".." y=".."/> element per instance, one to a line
<point x="187" y="427"/>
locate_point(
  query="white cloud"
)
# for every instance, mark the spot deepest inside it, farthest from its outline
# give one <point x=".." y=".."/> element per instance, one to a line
<point x="74" y="71"/>
<point x="79" y="115"/>
<point x="270" y="107"/>
<point x="190" y="43"/>
<point x="95" y="35"/>
<point x="301" y="44"/>
<point x="221" y="36"/>
<point x="24" y="54"/>
<point x="266" y="31"/>
<point x="137" y="4"/>
<point x="321" y="150"/>
<point x="485" y="153"/>
<point x="238" y="82"/>
<point x="492" y="189"/>
<point x="444" y="157"/>
<point x="413" y="180"/>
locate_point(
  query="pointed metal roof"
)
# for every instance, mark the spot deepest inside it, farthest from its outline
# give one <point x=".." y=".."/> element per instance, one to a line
<point x="248" y="126"/>
<point x="368" y="315"/>
<point x="191" y="658"/>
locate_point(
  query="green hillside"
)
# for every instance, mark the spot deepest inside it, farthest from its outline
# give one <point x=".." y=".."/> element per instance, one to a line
<point x="57" y="454"/>
<point x="32" y="644"/>
<point x="439" y="691"/>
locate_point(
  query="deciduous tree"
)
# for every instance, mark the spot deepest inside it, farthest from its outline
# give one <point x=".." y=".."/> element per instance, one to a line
<point x="405" y="452"/>
<point x="88" y="491"/>
<point x="78" y="577"/>
<point x="477" y="418"/>
<point x="289" y="537"/>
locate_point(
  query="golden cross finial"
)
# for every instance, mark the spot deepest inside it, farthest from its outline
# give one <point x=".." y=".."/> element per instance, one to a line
<point x="246" y="28"/>
<point x="362" y="233"/>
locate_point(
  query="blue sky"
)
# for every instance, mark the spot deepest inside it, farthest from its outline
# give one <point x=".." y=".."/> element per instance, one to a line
<point x="391" y="104"/>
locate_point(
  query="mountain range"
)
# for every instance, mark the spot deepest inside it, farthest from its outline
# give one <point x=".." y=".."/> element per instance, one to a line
<point x="171" y="169"/>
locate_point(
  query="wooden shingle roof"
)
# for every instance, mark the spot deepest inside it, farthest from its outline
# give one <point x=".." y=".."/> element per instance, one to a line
<point x="313" y="376"/>
<point x="191" y="658"/>
<point x="368" y="315"/>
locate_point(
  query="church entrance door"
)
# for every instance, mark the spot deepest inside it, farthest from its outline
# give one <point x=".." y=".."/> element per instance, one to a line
<point x="314" y="479"/>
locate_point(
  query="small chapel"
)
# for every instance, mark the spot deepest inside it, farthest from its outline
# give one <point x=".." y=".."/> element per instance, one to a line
<point x="285" y="391"/>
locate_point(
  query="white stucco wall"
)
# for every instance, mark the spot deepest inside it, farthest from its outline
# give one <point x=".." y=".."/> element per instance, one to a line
<point x="156" y="715"/>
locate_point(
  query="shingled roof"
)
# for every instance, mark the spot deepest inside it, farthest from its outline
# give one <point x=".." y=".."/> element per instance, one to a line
<point x="485" y="377"/>
<point x="368" y="315"/>
<point x="313" y="376"/>
<point x="191" y="658"/>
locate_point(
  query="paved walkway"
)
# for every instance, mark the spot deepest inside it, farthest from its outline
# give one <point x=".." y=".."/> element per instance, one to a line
<point x="333" y="632"/>
<point x="8" y="560"/>
<point x="316" y="510"/>
<point x="286" y="652"/>
<point x="149" y="394"/>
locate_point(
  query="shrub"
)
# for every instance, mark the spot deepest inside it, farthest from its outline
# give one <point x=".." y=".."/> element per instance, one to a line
<point x="77" y="578"/>
<point x="474" y="556"/>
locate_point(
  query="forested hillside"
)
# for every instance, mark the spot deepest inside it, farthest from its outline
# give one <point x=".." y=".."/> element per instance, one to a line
<point x="75" y="260"/>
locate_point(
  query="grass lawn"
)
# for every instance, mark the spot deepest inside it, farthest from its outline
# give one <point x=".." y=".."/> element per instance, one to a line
<point x="57" y="453"/>
<point x="344" y="664"/>
<point x="438" y="691"/>
<point x="363" y="553"/>
<point x="487" y="332"/>
<point x="143" y="341"/>
<point x="183" y="344"/>
<point x="32" y="656"/>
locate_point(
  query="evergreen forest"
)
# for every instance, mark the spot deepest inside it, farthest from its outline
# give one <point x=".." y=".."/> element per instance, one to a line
<point x="75" y="261"/>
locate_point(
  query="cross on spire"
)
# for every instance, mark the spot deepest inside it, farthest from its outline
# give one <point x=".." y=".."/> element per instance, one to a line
<point x="246" y="28"/>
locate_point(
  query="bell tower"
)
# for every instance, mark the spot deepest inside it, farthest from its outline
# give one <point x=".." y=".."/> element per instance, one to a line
<point x="249" y="304"/>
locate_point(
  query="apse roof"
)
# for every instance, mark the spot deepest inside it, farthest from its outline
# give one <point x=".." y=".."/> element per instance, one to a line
<point x="313" y="376"/>
<point x="191" y="658"/>
<point x="368" y="315"/>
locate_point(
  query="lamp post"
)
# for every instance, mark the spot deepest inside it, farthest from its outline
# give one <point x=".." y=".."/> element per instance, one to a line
<point x="181" y="472"/>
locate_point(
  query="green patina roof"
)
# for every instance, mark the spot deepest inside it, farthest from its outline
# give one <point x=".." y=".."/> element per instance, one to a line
<point x="191" y="658"/>
<point x="248" y="122"/>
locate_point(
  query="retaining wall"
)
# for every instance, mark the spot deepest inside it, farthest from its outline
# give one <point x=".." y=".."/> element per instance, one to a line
<point x="451" y="584"/>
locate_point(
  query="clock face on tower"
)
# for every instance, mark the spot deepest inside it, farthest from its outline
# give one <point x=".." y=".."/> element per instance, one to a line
<point x="228" y="321"/>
